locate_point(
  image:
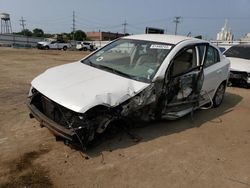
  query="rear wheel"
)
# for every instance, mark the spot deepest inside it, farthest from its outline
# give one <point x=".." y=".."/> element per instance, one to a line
<point x="65" y="48"/>
<point x="219" y="95"/>
<point x="46" y="47"/>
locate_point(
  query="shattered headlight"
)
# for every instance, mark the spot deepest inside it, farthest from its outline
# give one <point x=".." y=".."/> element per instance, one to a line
<point x="32" y="91"/>
<point x="146" y="97"/>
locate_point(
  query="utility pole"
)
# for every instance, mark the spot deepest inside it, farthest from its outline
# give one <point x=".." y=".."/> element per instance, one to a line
<point x="74" y="25"/>
<point x="176" y="21"/>
<point x="22" y="23"/>
<point x="125" y="27"/>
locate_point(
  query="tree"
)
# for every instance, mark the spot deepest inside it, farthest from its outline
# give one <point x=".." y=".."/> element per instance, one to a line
<point x="47" y="35"/>
<point x="26" y="32"/>
<point x="67" y="36"/>
<point x="38" y="32"/>
<point x="79" y="35"/>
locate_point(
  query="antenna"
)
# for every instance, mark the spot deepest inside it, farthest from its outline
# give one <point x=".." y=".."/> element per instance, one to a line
<point x="176" y="21"/>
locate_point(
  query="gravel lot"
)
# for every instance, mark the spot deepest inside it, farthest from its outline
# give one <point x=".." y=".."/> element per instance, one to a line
<point x="212" y="150"/>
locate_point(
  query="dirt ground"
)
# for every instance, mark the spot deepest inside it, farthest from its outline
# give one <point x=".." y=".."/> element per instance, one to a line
<point x="212" y="150"/>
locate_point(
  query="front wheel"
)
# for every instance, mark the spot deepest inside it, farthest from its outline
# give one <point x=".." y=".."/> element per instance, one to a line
<point x="219" y="95"/>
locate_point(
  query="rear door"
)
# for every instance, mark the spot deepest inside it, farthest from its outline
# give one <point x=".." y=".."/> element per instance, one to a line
<point x="213" y="69"/>
<point x="54" y="45"/>
<point x="61" y="44"/>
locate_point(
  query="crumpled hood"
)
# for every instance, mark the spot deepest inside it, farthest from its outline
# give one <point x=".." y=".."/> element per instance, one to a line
<point x="80" y="87"/>
<point x="238" y="64"/>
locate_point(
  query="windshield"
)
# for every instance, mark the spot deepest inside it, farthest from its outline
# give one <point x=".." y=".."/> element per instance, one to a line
<point x="135" y="59"/>
<point x="239" y="52"/>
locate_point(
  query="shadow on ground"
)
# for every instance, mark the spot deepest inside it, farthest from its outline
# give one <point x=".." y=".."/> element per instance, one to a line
<point x="23" y="172"/>
<point x="154" y="130"/>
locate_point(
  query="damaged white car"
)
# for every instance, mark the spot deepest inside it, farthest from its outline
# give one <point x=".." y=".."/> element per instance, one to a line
<point x="239" y="56"/>
<point x="146" y="77"/>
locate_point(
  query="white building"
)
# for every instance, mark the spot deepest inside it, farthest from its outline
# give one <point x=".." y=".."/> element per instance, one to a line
<point x="246" y="38"/>
<point x="225" y="33"/>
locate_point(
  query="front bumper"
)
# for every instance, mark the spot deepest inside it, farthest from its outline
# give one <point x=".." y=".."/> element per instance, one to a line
<point x="238" y="77"/>
<point x="54" y="127"/>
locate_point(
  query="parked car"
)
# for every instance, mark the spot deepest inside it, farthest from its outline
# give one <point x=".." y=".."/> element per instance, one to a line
<point x="146" y="77"/>
<point x="85" y="46"/>
<point x="239" y="56"/>
<point x="59" y="45"/>
<point x="222" y="49"/>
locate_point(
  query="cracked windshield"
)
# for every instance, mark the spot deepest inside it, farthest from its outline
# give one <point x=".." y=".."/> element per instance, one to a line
<point x="135" y="59"/>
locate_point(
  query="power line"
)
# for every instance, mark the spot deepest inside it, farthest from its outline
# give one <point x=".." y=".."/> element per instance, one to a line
<point x="176" y="21"/>
<point x="74" y="22"/>
<point x="22" y="22"/>
<point x="74" y="25"/>
<point x="125" y="27"/>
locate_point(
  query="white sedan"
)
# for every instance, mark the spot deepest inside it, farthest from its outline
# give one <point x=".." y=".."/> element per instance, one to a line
<point x="239" y="56"/>
<point x="146" y="77"/>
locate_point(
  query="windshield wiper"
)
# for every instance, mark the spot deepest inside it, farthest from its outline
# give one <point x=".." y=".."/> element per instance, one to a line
<point x="109" y="69"/>
<point x="87" y="61"/>
<point x="115" y="71"/>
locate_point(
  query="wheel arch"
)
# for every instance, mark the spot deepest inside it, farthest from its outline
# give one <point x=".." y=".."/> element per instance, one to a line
<point x="102" y="116"/>
<point x="223" y="82"/>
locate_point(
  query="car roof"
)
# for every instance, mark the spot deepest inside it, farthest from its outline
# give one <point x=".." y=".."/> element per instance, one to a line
<point x="171" y="39"/>
<point x="242" y="45"/>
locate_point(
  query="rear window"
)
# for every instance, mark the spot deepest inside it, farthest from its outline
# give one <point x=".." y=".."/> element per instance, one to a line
<point x="239" y="52"/>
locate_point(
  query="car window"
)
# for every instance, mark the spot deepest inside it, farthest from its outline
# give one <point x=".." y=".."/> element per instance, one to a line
<point x="239" y="51"/>
<point x="184" y="61"/>
<point x="202" y="50"/>
<point x="212" y="57"/>
<point x="222" y="49"/>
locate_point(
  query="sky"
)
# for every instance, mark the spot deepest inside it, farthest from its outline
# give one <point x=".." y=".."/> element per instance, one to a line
<point x="200" y="17"/>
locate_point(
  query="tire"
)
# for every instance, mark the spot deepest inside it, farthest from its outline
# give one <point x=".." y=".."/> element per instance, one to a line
<point x="46" y="47"/>
<point x="65" y="48"/>
<point x="219" y="95"/>
<point x="85" y="49"/>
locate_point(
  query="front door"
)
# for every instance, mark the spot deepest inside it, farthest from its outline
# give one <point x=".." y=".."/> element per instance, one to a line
<point x="183" y="83"/>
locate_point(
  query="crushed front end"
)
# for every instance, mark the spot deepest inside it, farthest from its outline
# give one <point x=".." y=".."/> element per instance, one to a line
<point x="59" y="120"/>
<point x="239" y="78"/>
<point x="82" y="127"/>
